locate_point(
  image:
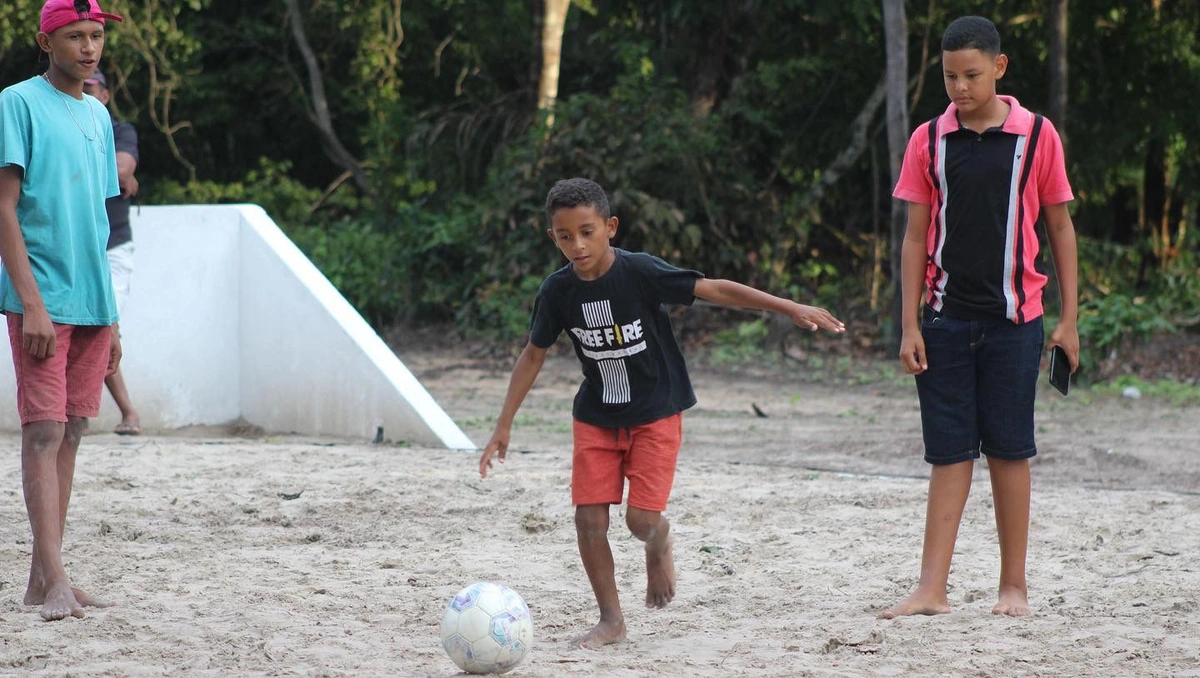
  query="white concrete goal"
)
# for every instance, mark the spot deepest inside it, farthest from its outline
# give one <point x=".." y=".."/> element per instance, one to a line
<point x="227" y="320"/>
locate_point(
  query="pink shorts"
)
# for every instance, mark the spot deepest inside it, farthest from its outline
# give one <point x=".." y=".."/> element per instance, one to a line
<point x="645" y="454"/>
<point x="67" y="384"/>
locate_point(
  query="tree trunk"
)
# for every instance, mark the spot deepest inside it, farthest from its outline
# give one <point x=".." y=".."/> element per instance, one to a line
<point x="710" y="63"/>
<point x="554" y="16"/>
<point x="1154" y="198"/>
<point x="320" y="104"/>
<point x="1057" y="105"/>
<point x="1126" y="209"/>
<point x="895" y="32"/>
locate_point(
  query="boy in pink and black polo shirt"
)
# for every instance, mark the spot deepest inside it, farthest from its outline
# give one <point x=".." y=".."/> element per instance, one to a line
<point x="976" y="179"/>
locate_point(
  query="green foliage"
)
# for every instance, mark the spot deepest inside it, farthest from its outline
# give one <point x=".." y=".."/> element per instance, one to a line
<point x="1105" y="321"/>
<point x="739" y="344"/>
<point x="1180" y="394"/>
<point x="360" y="260"/>
<point x="18" y="25"/>
<point x="1118" y="306"/>
<point x="709" y="123"/>
<point x="270" y="185"/>
<point x="500" y="308"/>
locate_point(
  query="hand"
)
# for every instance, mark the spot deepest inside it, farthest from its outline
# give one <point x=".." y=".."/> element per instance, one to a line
<point x="498" y="445"/>
<point x="114" y="351"/>
<point x="912" y="353"/>
<point x="37" y="334"/>
<point x="129" y="186"/>
<point x="1066" y="335"/>
<point x="812" y="317"/>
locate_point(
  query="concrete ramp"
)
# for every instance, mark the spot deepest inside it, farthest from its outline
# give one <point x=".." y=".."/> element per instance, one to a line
<point x="227" y="319"/>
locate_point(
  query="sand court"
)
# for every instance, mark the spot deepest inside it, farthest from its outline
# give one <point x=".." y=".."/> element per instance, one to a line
<point x="283" y="555"/>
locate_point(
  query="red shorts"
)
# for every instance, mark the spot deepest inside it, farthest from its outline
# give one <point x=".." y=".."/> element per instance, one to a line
<point x="645" y="454"/>
<point x="70" y="382"/>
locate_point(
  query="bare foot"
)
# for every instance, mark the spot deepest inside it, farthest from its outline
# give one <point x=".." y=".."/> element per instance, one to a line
<point x="1013" y="602"/>
<point x="918" y="603"/>
<point x="60" y="603"/>
<point x="36" y="596"/>
<point x="660" y="575"/>
<point x="85" y="599"/>
<point x="604" y="633"/>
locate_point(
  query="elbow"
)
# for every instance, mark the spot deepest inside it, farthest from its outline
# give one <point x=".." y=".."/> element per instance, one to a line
<point x="712" y="289"/>
<point x="534" y="355"/>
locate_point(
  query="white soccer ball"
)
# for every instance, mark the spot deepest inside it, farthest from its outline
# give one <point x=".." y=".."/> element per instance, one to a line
<point x="487" y="628"/>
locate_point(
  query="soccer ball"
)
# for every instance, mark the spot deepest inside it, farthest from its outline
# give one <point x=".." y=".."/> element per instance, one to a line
<point x="487" y="628"/>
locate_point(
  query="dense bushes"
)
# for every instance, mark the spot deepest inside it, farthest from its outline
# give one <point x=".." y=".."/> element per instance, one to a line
<point x="1122" y="301"/>
<point x="710" y="124"/>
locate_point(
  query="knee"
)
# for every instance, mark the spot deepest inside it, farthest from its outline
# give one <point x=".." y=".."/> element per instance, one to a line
<point x="591" y="522"/>
<point x="73" y="432"/>
<point x="42" y="437"/>
<point x="644" y="525"/>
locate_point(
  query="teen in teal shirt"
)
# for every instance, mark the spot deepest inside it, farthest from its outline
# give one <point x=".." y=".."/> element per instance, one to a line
<point x="51" y="136"/>
<point x="57" y="167"/>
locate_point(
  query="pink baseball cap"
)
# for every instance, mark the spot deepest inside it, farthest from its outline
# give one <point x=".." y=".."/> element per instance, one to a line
<point x="59" y="13"/>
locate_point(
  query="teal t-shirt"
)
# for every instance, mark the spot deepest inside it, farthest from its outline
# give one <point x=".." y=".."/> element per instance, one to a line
<point x="65" y="148"/>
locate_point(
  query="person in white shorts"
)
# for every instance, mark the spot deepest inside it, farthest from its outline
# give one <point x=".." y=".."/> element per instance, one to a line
<point x="120" y="239"/>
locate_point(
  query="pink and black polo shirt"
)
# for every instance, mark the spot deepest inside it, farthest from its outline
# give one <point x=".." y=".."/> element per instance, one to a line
<point x="985" y="192"/>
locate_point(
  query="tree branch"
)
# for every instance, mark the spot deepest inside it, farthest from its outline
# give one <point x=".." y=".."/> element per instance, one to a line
<point x="152" y="43"/>
<point x="846" y="159"/>
<point x="320" y="103"/>
<point x="916" y="95"/>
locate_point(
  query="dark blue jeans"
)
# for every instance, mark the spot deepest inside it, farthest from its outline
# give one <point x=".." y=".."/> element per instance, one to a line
<point x="978" y="393"/>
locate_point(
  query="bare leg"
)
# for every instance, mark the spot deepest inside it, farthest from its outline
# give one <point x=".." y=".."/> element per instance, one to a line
<point x="653" y="528"/>
<point x="1011" y="496"/>
<point x="949" y="487"/>
<point x="129" y="416"/>
<point x="591" y="528"/>
<point x="41" y="443"/>
<point x="42" y="583"/>
<point x="67" y="454"/>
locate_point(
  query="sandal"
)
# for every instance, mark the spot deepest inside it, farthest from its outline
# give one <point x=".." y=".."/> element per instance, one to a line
<point x="127" y="429"/>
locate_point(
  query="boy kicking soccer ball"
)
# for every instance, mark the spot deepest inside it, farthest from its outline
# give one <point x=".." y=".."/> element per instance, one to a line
<point x="628" y="411"/>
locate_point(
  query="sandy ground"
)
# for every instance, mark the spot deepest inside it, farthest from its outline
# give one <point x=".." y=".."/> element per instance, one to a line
<point x="792" y="531"/>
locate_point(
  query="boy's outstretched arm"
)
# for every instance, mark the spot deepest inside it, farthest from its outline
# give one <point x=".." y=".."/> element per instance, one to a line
<point x="1060" y="231"/>
<point x="729" y="293"/>
<point x="524" y="373"/>
<point x="913" y="258"/>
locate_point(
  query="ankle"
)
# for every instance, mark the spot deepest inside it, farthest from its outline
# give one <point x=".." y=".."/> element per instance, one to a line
<point x="931" y="592"/>
<point x="611" y="618"/>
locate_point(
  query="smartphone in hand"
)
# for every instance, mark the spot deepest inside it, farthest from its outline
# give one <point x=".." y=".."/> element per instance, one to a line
<point x="1060" y="370"/>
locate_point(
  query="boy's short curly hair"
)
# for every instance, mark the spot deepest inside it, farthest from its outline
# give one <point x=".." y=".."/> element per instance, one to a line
<point x="569" y="193"/>
<point x="971" y="32"/>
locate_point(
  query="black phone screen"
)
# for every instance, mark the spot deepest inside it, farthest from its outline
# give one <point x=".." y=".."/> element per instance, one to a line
<point x="1060" y="370"/>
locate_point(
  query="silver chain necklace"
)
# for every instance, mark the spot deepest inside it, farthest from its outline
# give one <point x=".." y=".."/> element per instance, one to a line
<point x="95" y="123"/>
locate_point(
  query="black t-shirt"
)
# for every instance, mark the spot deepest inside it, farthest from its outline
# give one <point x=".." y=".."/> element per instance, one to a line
<point x="633" y="368"/>
<point x="119" y="231"/>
